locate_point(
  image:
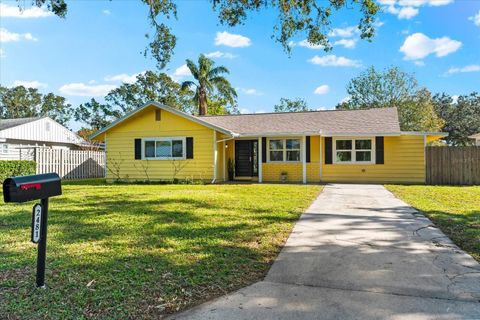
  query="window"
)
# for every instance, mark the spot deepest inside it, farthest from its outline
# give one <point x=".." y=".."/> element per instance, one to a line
<point x="164" y="148"/>
<point x="353" y="150"/>
<point x="5" y="148"/>
<point x="284" y="150"/>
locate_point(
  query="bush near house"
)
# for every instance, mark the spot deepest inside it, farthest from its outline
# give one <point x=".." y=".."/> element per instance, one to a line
<point x="12" y="168"/>
<point x="118" y="251"/>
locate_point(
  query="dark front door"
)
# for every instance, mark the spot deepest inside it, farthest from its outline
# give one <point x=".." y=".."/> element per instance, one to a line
<point x="245" y="158"/>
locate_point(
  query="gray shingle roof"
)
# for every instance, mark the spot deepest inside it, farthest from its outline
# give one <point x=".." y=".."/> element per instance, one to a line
<point x="329" y="122"/>
<point x="9" y="123"/>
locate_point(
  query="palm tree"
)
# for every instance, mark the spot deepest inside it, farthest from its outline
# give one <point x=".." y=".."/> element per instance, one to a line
<point x="209" y="82"/>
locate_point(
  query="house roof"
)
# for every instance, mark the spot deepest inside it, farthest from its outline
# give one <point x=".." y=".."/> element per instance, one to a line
<point x="377" y="121"/>
<point x="10" y="123"/>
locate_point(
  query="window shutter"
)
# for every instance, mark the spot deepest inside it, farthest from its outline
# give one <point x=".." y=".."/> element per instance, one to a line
<point x="307" y="146"/>
<point x="189" y="147"/>
<point x="138" y="149"/>
<point x="328" y="150"/>
<point x="379" y="150"/>
<point x="264" y="149"/>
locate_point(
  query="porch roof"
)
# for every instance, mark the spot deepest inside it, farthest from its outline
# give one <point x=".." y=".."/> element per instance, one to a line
<point x="379" y="121"/>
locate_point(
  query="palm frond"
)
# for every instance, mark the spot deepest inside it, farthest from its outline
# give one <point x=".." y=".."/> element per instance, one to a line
<point x="215" y="72"/>
<point x="193" y="68"/>
<point x="188" y="85"/>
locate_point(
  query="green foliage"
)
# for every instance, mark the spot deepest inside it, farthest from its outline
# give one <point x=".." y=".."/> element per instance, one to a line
<point x="21" y="102"/>
<point x="149" y="86"/>
<point x="462" y="117"/>
<point x="394" y="88"/>
<point x="455" y="210"/>
<point x="13" y="168"/>
<point x="291" y="105"/>
<point x="95" y="115"/>
<point x="310" y="18"/>
<point x="210" y="87"/>
<point x="171" y="246"/>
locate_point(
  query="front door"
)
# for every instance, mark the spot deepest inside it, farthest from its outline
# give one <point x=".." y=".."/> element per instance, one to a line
<point x="246" y="158"/>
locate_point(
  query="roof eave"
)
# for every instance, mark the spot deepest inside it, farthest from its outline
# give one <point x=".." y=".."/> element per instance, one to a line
<point x="425" y="133"/>
<point x="166" y="108"/>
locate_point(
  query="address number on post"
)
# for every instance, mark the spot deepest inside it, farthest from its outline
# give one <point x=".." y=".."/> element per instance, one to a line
<point x="37" y="223"/>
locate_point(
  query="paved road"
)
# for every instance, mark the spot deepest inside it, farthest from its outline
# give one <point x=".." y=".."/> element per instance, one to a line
<point x="359" y="253"/>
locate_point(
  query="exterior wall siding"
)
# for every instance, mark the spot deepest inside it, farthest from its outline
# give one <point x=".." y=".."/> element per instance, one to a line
<point x="272" y="172"/>
<point x="120" y="148"/>
<point x="404" y="163"/>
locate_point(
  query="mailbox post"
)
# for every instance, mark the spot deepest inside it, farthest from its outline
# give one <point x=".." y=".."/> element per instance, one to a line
<point x="35" y="187"/>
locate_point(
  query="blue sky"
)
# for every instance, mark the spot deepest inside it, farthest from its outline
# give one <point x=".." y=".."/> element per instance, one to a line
<point x="99" y="44"/>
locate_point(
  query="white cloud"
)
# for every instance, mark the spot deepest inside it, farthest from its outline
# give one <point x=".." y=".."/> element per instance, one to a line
<point x="106" y="12"/>
<point x="346" y="99"/>
<point x="334" y="61"/>
<point x="244" y="111"/>
<point x="407" y="9"/>
<point x="30" y="84"/>
<point x="455" y="98"/>
<point x="346" y="32"/>
<point x="220" y="54"/>
<point x="15" y="12"/>
<point x="123" y="77"/>
<point x="2" y="53"/>
<point x="323" y="89"/>
<point x="250" y="91"/>
<point x="347" y="43"/>
<point x="84" y="90"/>
<point x="419" y="63"/>
<point x="7" y="36"/>
<point x="476" y="19"/>
<point x="232" y="40"/>
<point x="417" y="46"/>
<point x="469" y="68"/>
<point x="182" y="71"/>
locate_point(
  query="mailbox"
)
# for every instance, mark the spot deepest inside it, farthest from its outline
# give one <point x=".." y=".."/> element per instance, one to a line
<point x="27" y="188"/>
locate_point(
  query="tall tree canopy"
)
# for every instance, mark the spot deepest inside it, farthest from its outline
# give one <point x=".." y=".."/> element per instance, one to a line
<point x="310" y="18"/>
<point x="394" y="88"/>
<point x="291" y="105"/>
<point x="21" y="102"/>
<point x="462" y="117"/>
<point x="149" y="86"/>
<point x="210" y="86"/>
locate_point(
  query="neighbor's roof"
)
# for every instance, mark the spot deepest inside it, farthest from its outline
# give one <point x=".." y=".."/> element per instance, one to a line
<point x="377" y="121"/>
<point x="10" y="123"/>
<point x="475" y="136"/>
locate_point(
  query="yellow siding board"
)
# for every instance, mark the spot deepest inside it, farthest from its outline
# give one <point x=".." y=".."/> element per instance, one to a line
<point x="120" y="148"/>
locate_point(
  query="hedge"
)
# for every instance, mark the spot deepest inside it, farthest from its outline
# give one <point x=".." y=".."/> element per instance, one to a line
<point x="11" y="168"/>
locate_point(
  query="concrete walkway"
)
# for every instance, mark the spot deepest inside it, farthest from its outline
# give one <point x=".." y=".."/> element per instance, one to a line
<point x="359" y="253"/>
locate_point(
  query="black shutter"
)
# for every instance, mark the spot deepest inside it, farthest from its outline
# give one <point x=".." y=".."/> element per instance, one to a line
<point x="264" y="149"/>
<point x="138" y="149"/>
<point x="379" y="150"/>
<point x="328" y="150"/>
<point x="307" y="146"/>
<point x="189" y="147"/>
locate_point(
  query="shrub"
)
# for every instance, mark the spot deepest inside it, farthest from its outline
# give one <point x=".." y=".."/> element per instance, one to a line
<point x="11" y="168"/>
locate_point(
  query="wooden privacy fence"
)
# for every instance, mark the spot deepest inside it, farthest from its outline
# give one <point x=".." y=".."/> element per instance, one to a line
<point x="453" y="165"/>
<point x="71" y="164"/>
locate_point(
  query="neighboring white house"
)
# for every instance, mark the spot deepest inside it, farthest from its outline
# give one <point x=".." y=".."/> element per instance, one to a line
<point x="20" y="137"/>
<point x="476" y="137"/>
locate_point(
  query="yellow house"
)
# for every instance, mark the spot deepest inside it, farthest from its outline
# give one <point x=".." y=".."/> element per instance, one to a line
<point x="157" y="142"/>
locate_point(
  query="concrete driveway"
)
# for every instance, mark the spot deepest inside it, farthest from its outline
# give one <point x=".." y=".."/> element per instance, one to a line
<point x="359" y="253"/>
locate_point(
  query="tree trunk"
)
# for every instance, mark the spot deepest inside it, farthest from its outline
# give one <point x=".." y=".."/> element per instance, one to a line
<point x="202" y="106"/>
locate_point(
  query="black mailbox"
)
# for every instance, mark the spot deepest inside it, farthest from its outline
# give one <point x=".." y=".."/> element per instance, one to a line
<point x="27" y="188"/>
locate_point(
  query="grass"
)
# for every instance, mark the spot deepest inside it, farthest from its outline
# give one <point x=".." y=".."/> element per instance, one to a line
<point x="141" y="251"/>
<point x="455" y="210"/>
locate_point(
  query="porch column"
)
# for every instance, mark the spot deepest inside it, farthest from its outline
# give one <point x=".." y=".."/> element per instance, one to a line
<point x="304" y="158"/>
<point x="214" y="156"/>
<point x="260" y="162"/>
<point x="320" y="158"/>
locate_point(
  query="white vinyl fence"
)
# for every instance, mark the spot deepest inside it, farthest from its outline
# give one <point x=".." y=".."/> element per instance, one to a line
<point x="71" y="164"/>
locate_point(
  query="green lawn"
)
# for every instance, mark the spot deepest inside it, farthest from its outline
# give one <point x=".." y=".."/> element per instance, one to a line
<point x="139" y="251"/>
<point x="455" y="210"/>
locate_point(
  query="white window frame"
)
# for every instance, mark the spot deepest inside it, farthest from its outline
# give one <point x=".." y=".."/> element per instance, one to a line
<point x="5" y="148"/>
<point x="284" y="150"/>
<point x="184" y="148"/>
<point x="353" y="150"/>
